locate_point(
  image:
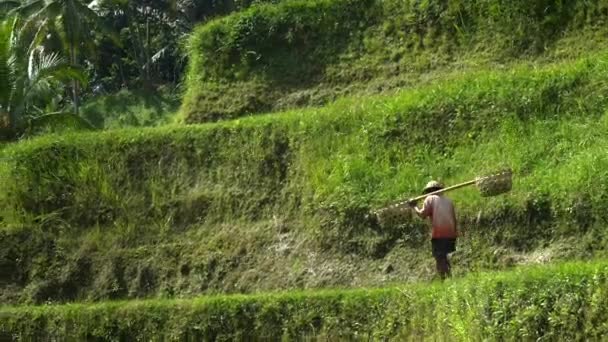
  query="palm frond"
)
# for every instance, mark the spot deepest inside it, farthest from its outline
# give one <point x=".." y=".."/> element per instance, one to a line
<point x="28" y="9"/>
<point x="32" y="28"/>
<point x="85" y="12"/>
<point x="156" y="57"/>
<point x="65" y="73"/>
<point x="41" y="92"/>
<point x="61" y="119"/>
<point x="41" y="12"/>
<point x="40" y="36"/>
<point x="6" y="65"/>
<point x="38" y="61"/>
<point x="54" y="35"/>
<point x="6" y="6"/>
<point x="51" y="65"/>
<point x="93" y="17"/>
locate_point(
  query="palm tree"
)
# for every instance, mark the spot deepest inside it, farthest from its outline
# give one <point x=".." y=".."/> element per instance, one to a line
<point x="29" y="78"/>
<point x="71" y="20"/>
<point x="150" y="30"/>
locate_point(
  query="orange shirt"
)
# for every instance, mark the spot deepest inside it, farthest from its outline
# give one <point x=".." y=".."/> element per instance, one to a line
<point x="441" y="211"/>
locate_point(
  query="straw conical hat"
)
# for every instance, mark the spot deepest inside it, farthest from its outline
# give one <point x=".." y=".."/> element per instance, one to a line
<point x="433" y="185"/>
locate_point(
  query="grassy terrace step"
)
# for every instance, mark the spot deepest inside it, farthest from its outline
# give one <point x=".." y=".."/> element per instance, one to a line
<point x="316" y="172"/>
<point x="558" y="302"/>
<point x="310" y="52"/>
<point x="365" y="150"/>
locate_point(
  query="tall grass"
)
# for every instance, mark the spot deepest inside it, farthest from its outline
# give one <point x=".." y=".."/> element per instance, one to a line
<point x="561" y="302"/>
<point x="128" y="108"/>
<point x="300" y="53"/>
<point x="322" y="170"/>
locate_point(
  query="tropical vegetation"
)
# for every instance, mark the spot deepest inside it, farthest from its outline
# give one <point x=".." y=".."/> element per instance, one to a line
<point x="201" y="170"/>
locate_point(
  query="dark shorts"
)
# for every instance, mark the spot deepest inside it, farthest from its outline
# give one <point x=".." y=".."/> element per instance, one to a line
<point x="443" y="247"/>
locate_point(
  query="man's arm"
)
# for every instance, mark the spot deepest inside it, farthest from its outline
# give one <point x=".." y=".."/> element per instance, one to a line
<point x="418" y="211"/>
<point x="421" y="212"/>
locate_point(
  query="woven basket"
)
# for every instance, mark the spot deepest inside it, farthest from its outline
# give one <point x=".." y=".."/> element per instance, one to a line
<point x="394" y="215"/>
<point x="496" y="184"/>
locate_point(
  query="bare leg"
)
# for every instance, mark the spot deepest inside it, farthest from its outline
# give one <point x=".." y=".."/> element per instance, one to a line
<point x="443" y="266"/>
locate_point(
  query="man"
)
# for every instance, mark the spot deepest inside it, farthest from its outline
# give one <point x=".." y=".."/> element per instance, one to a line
<point x="440" y="210"/>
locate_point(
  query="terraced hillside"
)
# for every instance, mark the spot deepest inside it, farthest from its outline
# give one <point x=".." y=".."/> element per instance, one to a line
<point x="303" y="53"/>
<point x="281" y="201"/>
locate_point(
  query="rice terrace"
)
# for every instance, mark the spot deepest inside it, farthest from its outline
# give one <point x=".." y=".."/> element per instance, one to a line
<point x="323" y="170"/>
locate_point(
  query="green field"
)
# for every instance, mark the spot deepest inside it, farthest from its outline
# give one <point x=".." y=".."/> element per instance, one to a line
<point x="561" y="302"/>
<point x="253" y="220"/>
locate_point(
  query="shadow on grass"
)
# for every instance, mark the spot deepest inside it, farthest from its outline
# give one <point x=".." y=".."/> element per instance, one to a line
<point x="130" y="108"/>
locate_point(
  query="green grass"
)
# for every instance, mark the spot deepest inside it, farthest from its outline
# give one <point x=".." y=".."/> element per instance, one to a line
<point x="282" y="201"/>
<point x="560" y="302"/>
<point x="129" y="108"/>
<point x="276" y="57"/>
<point x="314" y="174"/>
